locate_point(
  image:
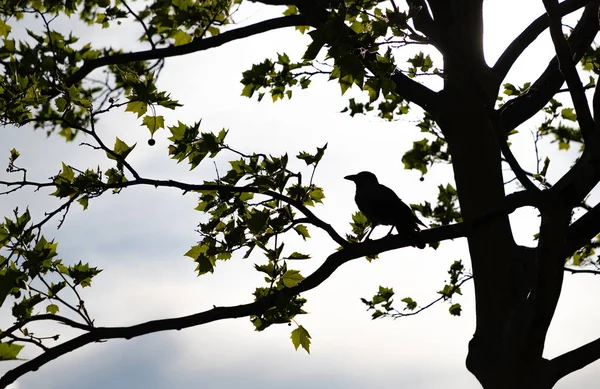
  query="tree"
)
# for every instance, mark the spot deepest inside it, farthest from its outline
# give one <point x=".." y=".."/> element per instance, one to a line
<point x="260" y="200"/>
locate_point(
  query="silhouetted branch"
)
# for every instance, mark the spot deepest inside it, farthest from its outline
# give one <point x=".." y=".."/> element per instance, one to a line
<point x="517" y="110"/>
<point x="331" y="264"/>
<point x="527" y="37"/>
<point x="582" y="231"/>
<point x="141" y="21"/>
<point x="582" y="271"/>
<point x="515" y="166"/>
<point x="192" y="47"/>
<point x="574" y="360"/>
<point x="547" y="286"/>
<point x="61" y="319"/>
<point x="399" y="314"/>
<point x="422" y="19"/>
<point x="569" y="71"/>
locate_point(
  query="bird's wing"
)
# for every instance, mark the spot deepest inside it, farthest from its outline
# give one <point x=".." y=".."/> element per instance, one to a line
<point x="397" y="208"/>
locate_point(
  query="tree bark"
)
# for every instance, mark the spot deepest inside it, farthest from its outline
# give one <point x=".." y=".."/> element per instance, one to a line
<point x="501" y="352"/>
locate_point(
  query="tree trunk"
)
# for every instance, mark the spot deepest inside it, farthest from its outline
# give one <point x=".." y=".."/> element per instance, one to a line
<point x="500" y="353"/>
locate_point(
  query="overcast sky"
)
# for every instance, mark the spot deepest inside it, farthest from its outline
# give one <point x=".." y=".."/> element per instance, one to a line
<point x="139" y="237"/>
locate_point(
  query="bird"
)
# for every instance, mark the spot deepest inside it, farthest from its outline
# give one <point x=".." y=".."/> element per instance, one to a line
<point x="381" y="206"/>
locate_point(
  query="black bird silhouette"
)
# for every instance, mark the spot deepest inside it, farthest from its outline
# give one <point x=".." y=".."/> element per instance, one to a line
<point x="382" y="206"/>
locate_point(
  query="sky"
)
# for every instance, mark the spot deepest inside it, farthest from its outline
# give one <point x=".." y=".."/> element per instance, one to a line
<point x="139" y="237"/>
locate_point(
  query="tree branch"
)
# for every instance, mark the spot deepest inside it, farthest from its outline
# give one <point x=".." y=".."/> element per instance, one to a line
<point x="60" y="319"/>
<point x="517" y="110"/>
<point x="515" y="166"/>
<point x="313" y="219"/>
<point x="192" y="47"/>
<point x="582" y="271"/>
<point x="414" y="91"/>
<point x="422" y="20"/>
<point x="527" y="37"/>
<point x="574" y="360"/>
<point x="549" y="278"/>
<point x="569" y="71"/>
<point x="331" y="264"/>
<point x="582" y="231"/>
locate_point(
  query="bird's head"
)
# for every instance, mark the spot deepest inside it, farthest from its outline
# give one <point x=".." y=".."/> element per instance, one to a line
<point x="363" y="179"/>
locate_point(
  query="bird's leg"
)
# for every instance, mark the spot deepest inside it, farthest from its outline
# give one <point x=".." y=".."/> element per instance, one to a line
<point x="369" y="234"/>
<point x="391" y="229"/>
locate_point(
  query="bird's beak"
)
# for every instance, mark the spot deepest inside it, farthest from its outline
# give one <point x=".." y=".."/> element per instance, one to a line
<point x="350" y="177"/>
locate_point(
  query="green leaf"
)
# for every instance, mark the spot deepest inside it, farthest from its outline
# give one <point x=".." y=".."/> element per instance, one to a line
<point x="292" y="278"/>
<point x="82" y="273"/>
<point x="317" y="195"/>
<point x="410" y="303"/>
<point x="9" y="351"/>
<point x="84" y="202"/>
<point x="568" y="114"/>
<point x="291" y="10"/>
<point x="545" y="168"/>
<point x="52" y="309"/>
<point x="14" y="154"/>
<point x="182" y="38"/>
<point x="297" y="255"/>
<point x="312" y="159"/>
<point x="67" y="173"/>
<point x="138" y="107"/>
<point x="121" y="149"/>
<point x="61" y="104"/>
<point x="10" y="278"/>
<point x="153" y="123"/>
<point x="301" y="337"/>
<point x="302" y="29"/>
<point x="315" y="46"/>
<point x="302" y="231"/>
<point x="4" y="28"/>
<point x="455" y="310"/>
<point x="510" y="90"/>
<point x="268" y="269"/>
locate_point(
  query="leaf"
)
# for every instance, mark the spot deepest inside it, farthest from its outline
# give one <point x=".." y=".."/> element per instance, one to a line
<point x="291" y="10"/>
<point x="121" y="149"/>
<point x="317" y="195"/>
<point x="301" y="337"/>
<point x="4" y="28"/>
<point x="312" y="159"/>
<point x="410" y="303"/>
<point x="545" y="168"/>
<point x="67" y="172"/>
<point x="568" y="114"/>
<point x="455" y="309"/>
<point x="510" y="90"/>
<point x="153" y="123"/>
<point x="9" y="351"/>
<point x="14" y="154"/>
<point x="292" y="278"/>
<point x="138" y="107"/>
<point x="9" y="281"/>
<point x="61" y="104"/>
<point x="82" y="273"/>
<point x="52" y="309"/>
<point x="315" y="46"/>
<point x="297" y="255"/>
<point x="84" y="202"/>
<point x="302" y="231"/>
<point x="182" y="38"/>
